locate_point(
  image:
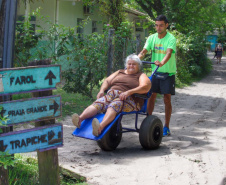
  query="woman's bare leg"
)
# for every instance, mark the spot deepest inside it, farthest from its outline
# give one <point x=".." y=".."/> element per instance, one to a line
<point x="108" y="118"/>
<point x="87" y="113"/>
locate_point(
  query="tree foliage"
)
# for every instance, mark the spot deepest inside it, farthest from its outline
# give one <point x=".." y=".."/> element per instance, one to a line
<point x="114" y="10"/>
<point x="151" y="7"/>
<point x="221" y="22"/>
<point x="191" y="20"/>
<point x="185" y="15"/>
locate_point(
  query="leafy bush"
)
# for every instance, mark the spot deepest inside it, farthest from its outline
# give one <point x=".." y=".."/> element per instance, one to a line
<point x="183" y="74"/>
<point x="87" y="64"/>
<point x="25" y="39"/>
<point x="5" y="158"/>
<point x="192" y="61"/>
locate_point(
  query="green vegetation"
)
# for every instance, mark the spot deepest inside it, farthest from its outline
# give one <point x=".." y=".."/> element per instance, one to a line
<point x="5" y="159"/>
<point x="25" y="171"/>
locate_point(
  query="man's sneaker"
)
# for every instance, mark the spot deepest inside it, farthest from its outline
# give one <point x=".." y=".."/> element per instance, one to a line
<point x="166" y="131"/>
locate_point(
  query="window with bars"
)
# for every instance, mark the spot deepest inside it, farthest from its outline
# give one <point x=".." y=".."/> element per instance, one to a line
<point x="94" y="26"/>
<point x="20" y="22"/>
<point x="80" y="28"/>
<point x="138" y="25"/>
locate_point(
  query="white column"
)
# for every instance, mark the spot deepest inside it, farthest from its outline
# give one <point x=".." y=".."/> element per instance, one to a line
<point x="57" y="12"/>
<point x="27" y="10"/>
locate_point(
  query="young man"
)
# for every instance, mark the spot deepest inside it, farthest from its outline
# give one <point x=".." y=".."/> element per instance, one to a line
<point x="163" y="47"/>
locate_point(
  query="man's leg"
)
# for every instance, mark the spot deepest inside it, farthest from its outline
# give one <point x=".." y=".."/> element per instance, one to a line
<point x="151" y="103"/>
<point x="168" y="109"/>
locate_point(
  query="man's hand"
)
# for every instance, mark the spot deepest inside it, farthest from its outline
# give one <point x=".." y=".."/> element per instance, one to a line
<point x="157" y="63"/>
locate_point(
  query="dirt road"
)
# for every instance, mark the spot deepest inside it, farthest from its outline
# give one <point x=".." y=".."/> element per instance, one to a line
<point x="194" y="154"/>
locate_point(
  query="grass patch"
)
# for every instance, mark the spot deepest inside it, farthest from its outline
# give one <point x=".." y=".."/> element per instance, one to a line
<point x="25" y="171"/>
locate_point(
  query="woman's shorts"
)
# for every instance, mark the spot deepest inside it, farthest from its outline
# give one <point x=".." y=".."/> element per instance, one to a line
<point x="111" y="99"/>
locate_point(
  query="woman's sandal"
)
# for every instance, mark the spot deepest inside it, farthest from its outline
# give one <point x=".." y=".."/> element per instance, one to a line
<point x="75" y="120"/>
<point x="96" y="126"/>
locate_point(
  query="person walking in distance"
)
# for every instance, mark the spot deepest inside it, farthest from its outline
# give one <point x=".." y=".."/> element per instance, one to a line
<point x="219" y="50"/>
<point x="163" y="47"/>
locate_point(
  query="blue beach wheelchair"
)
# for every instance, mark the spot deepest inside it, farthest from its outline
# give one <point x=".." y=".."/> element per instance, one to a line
<point x="150" y="131"/>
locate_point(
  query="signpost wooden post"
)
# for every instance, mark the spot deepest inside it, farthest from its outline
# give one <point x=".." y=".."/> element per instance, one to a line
<point x="48" y="163"/>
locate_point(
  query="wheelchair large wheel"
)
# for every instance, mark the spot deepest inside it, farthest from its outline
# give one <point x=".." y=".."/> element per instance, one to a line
<point x="150" y="134"/>
<point x="111" y="139"/>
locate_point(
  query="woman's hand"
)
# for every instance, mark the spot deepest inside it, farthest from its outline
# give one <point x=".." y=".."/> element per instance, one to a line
<point x="100" y="94"/>
<point x="124" y="95"/>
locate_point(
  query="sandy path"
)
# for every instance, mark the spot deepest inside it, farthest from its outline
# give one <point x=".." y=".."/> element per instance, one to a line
<point x="194" y="154"/>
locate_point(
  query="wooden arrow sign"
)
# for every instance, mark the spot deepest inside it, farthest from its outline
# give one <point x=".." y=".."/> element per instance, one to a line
<point x="40" y="138"/>
<point x="29" y="79"/>
<point x="33" y="109"/>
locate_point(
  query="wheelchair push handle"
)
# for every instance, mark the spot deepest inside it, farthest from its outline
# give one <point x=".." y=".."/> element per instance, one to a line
<point x="147" y="62"/>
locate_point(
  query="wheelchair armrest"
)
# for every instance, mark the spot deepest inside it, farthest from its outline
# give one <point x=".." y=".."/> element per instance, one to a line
<point x="143" y="96"/>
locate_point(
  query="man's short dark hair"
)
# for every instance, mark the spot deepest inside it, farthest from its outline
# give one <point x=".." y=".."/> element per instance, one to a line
<point x="162" y="18"/>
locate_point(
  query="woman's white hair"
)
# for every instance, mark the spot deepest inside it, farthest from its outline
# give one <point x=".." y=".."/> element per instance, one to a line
<point x="135" y="58"/>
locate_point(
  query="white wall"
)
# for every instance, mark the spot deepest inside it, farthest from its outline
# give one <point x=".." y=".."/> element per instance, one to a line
<point x="67" y="13"/>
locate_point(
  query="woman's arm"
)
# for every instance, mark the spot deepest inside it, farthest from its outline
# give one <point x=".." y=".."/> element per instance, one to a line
<point x="144" y="87"/>
<point x="106" y="84"/>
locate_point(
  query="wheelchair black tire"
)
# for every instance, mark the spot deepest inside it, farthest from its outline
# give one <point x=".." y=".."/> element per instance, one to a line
<point x="150" y="133"/>
<point x="111" y="139"/>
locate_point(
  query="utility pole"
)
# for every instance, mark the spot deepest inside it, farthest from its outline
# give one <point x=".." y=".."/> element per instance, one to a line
<point x="8" y="10"/>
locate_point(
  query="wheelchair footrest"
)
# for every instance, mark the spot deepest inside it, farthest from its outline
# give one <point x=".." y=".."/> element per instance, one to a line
<point x="86" y="130"/>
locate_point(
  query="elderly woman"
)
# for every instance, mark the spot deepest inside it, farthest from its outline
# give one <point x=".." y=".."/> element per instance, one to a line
<point x="219" y="51"/>
<point x="122" y="84"/>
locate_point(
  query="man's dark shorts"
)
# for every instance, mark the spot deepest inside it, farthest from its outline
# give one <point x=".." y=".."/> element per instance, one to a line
<point x="166" y="86"/>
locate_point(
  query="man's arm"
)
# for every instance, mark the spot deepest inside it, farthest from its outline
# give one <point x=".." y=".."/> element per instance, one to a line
<point x="142" y="54"/>
<point x="165" y="59"/>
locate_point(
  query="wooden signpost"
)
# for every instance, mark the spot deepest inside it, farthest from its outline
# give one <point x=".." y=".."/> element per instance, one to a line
<point x="21" y="80"/>
<point x="40" y="138"/>
<point x="34" y="109"/>
<point x="43" y="107"/>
